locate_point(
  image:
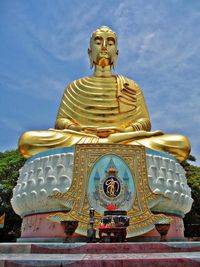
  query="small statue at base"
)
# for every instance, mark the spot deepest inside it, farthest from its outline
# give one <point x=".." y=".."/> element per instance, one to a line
<point x="91" y="232"/>
<point x="103" y="108"/>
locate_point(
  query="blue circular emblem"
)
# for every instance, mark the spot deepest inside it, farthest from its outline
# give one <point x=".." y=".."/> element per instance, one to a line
<point x="111" y="187"/>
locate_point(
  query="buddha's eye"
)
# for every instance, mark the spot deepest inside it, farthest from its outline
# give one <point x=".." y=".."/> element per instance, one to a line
<point x="111" y="41"/>
<point x="97" y="41"/>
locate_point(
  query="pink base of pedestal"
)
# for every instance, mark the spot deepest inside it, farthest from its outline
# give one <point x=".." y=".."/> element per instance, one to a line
<point x="38" y="226"/>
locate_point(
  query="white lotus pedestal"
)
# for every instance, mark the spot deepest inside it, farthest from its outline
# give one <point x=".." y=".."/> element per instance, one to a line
<point x="161" y="189"/>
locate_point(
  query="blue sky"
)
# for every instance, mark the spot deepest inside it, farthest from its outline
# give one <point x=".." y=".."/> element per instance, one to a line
<point x="44" y="46"/>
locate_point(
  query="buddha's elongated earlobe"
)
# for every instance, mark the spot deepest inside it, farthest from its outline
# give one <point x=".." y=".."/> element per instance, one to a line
<point x="115" y="59"/>
<point x="90" y="57"/>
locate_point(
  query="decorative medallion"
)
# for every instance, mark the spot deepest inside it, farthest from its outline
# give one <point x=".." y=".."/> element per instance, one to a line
<point x="110" y="183"/>
<point x="111" y="187"/>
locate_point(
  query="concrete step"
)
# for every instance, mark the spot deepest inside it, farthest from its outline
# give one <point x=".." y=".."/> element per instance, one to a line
<point x="99" y="248"/>
<point x="178" y="259"/>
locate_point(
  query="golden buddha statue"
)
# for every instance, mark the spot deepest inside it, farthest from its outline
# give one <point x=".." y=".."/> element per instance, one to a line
<point x="103" y="108"/>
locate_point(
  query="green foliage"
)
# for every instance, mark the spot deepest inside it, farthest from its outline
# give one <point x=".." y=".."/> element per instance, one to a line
<point x="192" y="219"/>
<point x="10" y="163"/>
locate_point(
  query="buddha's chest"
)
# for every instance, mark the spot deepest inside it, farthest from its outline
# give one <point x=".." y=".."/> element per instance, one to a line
<point x="97" y="101"/>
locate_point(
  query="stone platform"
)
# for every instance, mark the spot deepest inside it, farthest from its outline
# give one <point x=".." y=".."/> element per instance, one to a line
<point x="114" y="254"/>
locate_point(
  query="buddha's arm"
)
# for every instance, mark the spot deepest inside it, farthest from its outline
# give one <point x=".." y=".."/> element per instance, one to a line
<point x="64" y="121"/>
<point x="141" y="120"/>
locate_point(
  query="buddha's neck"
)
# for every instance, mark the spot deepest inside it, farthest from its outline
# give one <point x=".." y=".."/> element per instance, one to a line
<point x="100" y="71"/>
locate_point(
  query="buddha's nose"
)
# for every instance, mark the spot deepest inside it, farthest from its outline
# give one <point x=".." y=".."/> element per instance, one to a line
<point x="104" y="48"/>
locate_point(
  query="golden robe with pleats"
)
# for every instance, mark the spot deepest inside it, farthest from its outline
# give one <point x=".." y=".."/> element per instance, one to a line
<point x="96" y="102"/>
<point x="101" y="102"/>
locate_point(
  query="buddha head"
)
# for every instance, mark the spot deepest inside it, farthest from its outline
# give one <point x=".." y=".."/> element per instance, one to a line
<point x="103" y="48"/>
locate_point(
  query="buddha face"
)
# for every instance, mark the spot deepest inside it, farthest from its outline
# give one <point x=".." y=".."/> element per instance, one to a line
<point x="103" y="48"/>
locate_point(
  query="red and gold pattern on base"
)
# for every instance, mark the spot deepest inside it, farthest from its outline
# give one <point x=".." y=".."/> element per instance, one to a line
<point x="142" y="219"/>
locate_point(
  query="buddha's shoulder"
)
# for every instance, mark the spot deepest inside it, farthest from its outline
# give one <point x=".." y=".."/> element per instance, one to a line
<point x="131" y="83"/>
<point x="74" y="81"/>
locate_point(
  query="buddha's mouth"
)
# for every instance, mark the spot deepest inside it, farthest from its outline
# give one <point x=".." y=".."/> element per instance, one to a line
<point x="104" y="54"/>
